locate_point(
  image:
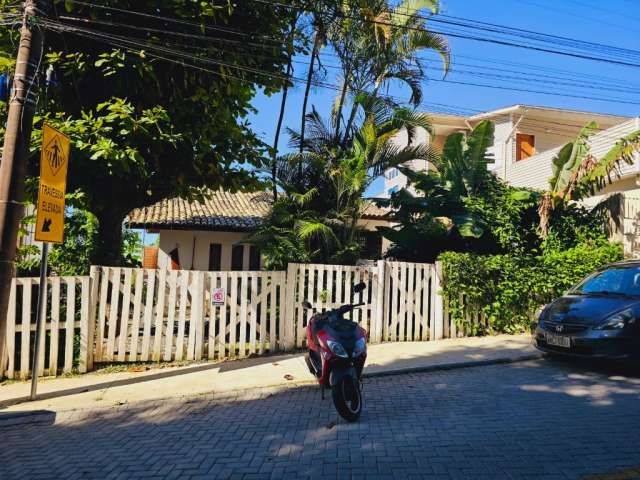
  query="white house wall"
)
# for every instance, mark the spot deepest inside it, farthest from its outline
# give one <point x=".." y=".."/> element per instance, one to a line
<point x="184" y="241"/>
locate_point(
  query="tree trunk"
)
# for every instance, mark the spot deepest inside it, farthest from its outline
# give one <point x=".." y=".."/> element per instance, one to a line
<point x="108" y="248"/>
<point x="343" y="94"/>
<point x="285" y="91"/>
<point x="314" y="53"/>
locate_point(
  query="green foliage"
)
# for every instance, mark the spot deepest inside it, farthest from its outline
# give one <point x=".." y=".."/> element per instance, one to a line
<point x="461" y="206"/>
<point x="509" y="289"/>
<point x="73" y="257"/>
<point x="316" y="216"/>
<point x="144" y="127"/>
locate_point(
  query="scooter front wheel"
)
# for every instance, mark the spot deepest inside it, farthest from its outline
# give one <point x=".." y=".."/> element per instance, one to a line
<point x="347" y="398"/>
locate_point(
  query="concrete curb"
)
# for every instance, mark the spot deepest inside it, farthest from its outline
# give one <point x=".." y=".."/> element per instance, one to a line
<point x="454" y="366"/>
<point x="39" y="417"/>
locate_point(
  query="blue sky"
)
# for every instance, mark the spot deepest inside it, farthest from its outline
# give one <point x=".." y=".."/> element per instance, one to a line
<point x="615" y="23"/>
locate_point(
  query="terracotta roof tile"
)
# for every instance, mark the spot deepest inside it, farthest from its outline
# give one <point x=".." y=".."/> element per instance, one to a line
<point x="220" y="211"/>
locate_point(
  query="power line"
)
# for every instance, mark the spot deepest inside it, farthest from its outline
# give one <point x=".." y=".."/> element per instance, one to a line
<point x="484" y="39"/>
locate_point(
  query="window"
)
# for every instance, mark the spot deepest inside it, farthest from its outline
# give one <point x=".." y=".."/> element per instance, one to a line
<point x="624" y="281"/>
<point x="174" y="255"/>
<point x="392" y="173"/>
<point x="237" y="257"/>
<point x="254" y="258"/>
<point x="215" y="257"/>
<point x="525" y="146"/>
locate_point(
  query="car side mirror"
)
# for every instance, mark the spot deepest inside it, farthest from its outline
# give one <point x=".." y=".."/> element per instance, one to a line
<point x="359" y="287"/>
<point x="306" y="305"/>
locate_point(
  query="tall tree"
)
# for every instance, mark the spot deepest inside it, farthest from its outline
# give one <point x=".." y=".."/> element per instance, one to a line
<point x="155" y="96"/>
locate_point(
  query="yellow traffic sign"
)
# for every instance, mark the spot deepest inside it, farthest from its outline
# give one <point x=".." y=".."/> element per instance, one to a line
<point x="54" y="160"/>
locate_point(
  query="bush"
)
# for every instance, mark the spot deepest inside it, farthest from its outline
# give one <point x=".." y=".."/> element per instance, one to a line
<point x="509" y="289"/>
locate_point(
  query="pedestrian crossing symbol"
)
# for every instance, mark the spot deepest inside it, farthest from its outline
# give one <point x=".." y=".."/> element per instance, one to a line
<point x="54" y="159"/>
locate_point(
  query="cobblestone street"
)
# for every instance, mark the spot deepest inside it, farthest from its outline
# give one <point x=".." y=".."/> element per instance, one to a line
<point x="537" y="419"/>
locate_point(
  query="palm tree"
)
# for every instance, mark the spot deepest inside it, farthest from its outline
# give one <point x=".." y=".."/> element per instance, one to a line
<point x="577" y="173"/>
<point x="323" y="187"/>
<point x="387" y="49"/>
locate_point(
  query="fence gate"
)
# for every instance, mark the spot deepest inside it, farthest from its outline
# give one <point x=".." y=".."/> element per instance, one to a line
<point x="413" y="307"/>
<point x="327" y="287"/>
<point x="244" y="313"/>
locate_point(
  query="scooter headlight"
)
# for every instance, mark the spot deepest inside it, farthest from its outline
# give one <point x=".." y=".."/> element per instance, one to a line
<point x="360" y="348"/>
<point x="337" y="349"/>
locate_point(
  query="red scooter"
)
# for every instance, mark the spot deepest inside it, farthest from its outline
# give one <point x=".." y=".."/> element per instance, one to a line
<point x="337" y="350"/>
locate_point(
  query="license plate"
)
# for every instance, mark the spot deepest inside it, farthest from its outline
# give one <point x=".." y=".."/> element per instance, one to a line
<point x="558" y="340"/>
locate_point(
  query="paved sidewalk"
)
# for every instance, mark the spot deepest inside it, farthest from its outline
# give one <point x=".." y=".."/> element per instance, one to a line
<point x="100" y="390"/>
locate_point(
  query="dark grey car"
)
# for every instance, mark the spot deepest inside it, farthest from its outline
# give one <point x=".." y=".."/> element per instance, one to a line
<point x="600" y="317"/>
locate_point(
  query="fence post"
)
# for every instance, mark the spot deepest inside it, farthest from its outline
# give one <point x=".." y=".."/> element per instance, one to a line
<point x="94" y="275"/>
<point x="290" y="308"/>
<point x="438" y="303"/>
<point x="197" y="310"/>
<point x="381" y="298"/>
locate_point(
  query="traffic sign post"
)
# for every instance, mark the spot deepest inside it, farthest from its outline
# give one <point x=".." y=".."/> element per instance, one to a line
<point x="54" y="161"/>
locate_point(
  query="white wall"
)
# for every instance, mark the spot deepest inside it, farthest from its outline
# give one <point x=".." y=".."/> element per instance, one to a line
<point x="184" y="240"/>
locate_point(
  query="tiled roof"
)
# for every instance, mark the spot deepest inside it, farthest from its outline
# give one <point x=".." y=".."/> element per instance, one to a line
<point x="221" y="211"/>
<point x="373" y="211"/>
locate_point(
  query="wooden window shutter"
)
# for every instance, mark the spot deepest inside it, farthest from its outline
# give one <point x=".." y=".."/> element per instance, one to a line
<point x="525" y="146"/>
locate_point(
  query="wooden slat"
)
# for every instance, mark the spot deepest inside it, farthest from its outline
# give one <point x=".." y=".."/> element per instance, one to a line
<point x="182" y="316"/>
<point x="439" y="307"/>
<point x="410" y="299"/>
<point x="233" y="278"/>
<point x="43" y="331"/>
<point x="244" y="300"/>
<point x="253" y="312"/>
<point x="102" y="314"/>
<point x="197" y="318"/>
<point x="426" y="309"/>
<point x="395" y="315"/>
<point x="283" y="311"/>
<point x="387" y="304"/>
<point x="25" y="341"/>
<point x="69" y="326"/>
<point x="266" y="280"/>
<point x="148" y="314"/>
<point x="299" y="328"/>
<point x="113" y="314"/>
<point x="213" y="323"/>
<point x="403" y="302"/>
<point x="348" y="284"/>
<point x="94" y="279"/>
<point x="124" y="318"/>
<point x="378" y="317"/>
<point x="11" y="332"/>
<point x="137" y="309"/>
<point x="168" y="343"/>
<point x="288" y="309"/>
<point x="159" y="325"/>
<point x="339" y="283"/>
<point x="222" y="319"/>
<point x="86" y="342"/>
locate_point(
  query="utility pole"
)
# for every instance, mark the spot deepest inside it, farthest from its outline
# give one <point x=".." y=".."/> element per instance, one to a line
<point x="13" y="164"/>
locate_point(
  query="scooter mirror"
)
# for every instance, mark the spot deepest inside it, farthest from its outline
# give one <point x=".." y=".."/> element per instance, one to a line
<point x="306" y="305"/>
<point x="359" y="287"/>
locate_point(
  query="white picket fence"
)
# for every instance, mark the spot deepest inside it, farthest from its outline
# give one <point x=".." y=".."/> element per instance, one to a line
<point x="138" y="315"/>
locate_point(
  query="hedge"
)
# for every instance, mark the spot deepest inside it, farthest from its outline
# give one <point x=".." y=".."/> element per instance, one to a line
<point x="508" y="290"/>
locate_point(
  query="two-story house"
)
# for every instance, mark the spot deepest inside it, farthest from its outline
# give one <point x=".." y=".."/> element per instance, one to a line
<point x="526" y="140"/>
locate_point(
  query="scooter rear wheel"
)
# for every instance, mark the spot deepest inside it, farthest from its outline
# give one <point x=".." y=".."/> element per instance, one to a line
<point x="347" y="398"/>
